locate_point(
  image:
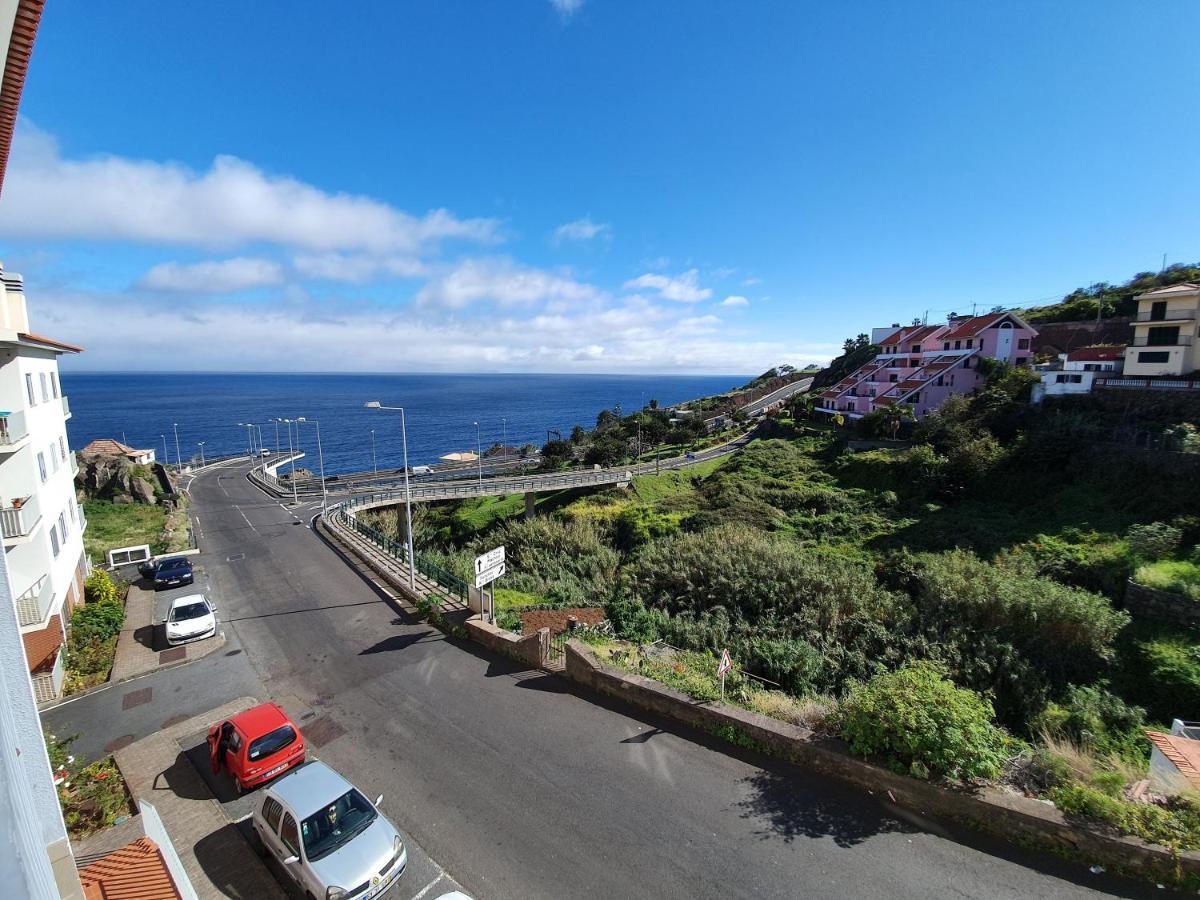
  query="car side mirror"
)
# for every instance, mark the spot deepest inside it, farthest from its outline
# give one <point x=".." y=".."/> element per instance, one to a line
<point x="379" y="800"/>
<point x="291" y="860"/>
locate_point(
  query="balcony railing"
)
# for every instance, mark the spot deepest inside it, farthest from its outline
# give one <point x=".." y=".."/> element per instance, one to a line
<point x="1171" y="315"/>
<point x="1183" y="340"/>
<point x="1147" y="383"/>
<point x="33" y="605"/>
<point x="12" y="428"/>
<point x="73" y="462"/>
<point x="66" y="407"/>
<point x="19" y="521"/>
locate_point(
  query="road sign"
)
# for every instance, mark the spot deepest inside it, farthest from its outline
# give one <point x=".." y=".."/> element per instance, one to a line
<point x="726" y="663"/>
<point x="489" y="575"/>
<point x="489" y="560"/>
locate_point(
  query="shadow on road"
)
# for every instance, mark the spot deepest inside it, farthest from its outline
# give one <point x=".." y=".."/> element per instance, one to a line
<point x="222" y="855"/>
<point x="397" y="642"/>
<point x="182" y="780"/>
<point x="296" y="612"/>
<point x="147" y="636"/>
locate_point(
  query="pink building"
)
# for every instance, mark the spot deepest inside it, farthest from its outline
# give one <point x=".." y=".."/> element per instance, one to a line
<point x="921" y="365"/>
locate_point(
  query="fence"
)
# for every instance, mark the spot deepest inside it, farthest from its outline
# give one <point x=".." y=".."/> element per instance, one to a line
<point x="449" y="582"/>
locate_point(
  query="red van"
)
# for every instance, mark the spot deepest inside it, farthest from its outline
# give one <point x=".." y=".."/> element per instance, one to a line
<point x="256" y="745"/>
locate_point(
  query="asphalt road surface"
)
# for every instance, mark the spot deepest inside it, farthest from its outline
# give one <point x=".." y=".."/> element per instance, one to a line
<point x="522" y="787"/>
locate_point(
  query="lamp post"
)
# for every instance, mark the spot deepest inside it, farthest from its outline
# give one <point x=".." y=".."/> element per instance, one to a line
<point x="292" y="460"/>
<point x="320" y="458"/>
<point x="249" y="437"/>
<point x="201" y="445"/>
<point x="277" y="436"/>
<point x="504" y="438"/>
<point x="412" y="560"/>
<point x="166" y="455"/>
<point x="178" y="461"/>
<point x="374" y="463"/>
<point x="478" y="454"/>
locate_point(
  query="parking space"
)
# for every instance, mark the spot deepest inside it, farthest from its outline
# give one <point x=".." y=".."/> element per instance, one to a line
<point x="422" y="878"/>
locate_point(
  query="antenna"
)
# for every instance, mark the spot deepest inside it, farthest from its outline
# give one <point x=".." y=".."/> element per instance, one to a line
<point x="1164" y="265"/>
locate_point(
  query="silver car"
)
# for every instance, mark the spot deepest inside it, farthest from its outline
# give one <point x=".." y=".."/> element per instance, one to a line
<point x="329" y="838"/>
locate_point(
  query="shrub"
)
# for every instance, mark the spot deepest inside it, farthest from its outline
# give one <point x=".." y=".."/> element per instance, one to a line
<point x="922" y="725"/>
<point x="1091" y="563"/>
<point x="1095" y="717"/>
<point x="1176" y="576"/>
<point x="1160" y="670"/>
<point x="1156" y="540"/>
<point x="1175" y="825"/>
<point x="100" y="588"/>
<point x="96" y="621"/>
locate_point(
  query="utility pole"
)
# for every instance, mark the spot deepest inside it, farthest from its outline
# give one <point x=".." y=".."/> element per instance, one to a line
<point x="166" y="455"/>
<point x="374" y="464"/>
<point x="178" y="461"/>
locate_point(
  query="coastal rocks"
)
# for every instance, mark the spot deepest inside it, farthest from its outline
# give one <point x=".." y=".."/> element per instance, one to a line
<point x="120" y="480"/>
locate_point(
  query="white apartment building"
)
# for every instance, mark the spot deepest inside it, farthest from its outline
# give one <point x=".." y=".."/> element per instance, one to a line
<point x="40" y="522"/>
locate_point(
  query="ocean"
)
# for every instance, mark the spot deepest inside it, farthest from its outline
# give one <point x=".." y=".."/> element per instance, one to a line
<point x="142" y="409"/>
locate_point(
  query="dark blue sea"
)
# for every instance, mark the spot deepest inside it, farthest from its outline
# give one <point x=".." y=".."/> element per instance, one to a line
<point x="141" y="409"/>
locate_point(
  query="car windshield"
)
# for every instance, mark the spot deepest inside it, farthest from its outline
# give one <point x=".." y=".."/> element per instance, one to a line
<point x="335" y="824"/>
<point x="172" y="564"/>
<point x="189" y="611"/>
<point x="272" y="742"/>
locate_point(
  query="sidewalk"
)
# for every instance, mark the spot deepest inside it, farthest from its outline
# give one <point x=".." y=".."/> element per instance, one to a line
<point x="141" y="647"/>
<point x="217" y="858"/>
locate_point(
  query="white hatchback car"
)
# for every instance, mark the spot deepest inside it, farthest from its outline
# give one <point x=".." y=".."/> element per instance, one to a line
<point x="329" y="838"/>
<point x="190" y="618"/>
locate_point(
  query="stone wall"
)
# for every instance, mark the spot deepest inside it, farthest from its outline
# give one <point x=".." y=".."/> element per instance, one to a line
<point x="1019" y="818"/>
<point x="1160" y="606"/>
<point x="531" y="649"/>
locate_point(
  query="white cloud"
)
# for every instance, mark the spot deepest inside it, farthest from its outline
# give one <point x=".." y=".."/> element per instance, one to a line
<point x="357" y="268"/>
<point x="503" y="281"/>
<point x="212" y="276"/>
<point x="232" y="202"/>
<point x="581" y="230"/>
<point x="684" y="289"/>
<point x="751" y="282"/>
<point x="735" y="300"/>
<point x="567" y="8"/>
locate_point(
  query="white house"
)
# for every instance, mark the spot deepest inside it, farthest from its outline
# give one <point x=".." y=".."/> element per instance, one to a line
<point x="1175" y="758"/>
<point x="1075" y="372"/>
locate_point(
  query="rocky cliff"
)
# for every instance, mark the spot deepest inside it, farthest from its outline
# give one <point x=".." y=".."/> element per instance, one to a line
<point x="120" y="480"/>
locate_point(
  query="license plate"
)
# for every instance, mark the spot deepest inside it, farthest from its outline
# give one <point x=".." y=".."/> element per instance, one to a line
<point x="276" y="770"/>
<point x="383" y="885"/>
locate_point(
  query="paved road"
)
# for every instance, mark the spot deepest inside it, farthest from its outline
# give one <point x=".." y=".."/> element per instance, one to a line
<point x="523" y="788"/>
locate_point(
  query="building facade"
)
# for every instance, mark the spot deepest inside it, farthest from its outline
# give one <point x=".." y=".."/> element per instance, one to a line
<point x="1075" y="372"/>
<point x="919" y="366"/>
<point x="1165" y="337"/>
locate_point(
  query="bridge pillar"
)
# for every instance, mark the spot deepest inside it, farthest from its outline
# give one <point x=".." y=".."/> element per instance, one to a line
<point x="530" y="509"/>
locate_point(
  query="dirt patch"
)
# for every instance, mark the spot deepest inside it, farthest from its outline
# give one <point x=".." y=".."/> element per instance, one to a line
<point x="556" y="619"/>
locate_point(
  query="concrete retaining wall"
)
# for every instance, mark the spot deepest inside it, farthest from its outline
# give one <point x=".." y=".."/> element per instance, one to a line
<point x="1019" y="818"/>
<point x="531" y="649"/>
<point x="1160" y="606"/>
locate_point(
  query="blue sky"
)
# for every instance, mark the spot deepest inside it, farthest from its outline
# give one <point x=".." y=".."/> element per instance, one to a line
<point x="584" y="185"/>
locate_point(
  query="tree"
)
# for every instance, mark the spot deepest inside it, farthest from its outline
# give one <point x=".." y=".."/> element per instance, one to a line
<point x="606" y="419"/>
<point x="578" y="435"/>
<point x="556" y="453"/>
<point x="892" y="417"/>
<point x="653" y="403"/>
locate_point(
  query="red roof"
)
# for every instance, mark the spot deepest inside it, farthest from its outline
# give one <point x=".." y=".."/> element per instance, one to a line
<point x="41" y="646"/>
<point x="16" y="64"/>
<point x="1183" y="752"/>
<point x="50" y="342"/>
<point x="258" y="720"/>
<point x="1096" y="354"/>
<point x="966" y="328"/>
<point x="135" y="872"/>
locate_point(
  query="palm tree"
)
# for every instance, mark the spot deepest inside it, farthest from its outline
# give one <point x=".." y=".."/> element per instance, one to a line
<point x="894" y="416"/>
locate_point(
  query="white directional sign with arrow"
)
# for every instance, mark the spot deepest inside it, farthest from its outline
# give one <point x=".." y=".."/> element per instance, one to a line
<point x="489" y="566"/>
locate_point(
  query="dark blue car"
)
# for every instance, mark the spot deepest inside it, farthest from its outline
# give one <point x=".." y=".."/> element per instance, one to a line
<point x="172" y="572"/>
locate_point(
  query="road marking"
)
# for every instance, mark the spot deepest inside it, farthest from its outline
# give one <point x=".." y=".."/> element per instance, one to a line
<point x="243" y="515"/>
<point x="425" y="890"/>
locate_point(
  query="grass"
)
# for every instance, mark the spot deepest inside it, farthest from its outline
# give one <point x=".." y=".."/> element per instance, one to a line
<point x="1176" y="576"/>
<point x="510" y="599"/>
<point x="675" y="483"/>
<point x="478" y="514"/>
<point x="112" y="525"/>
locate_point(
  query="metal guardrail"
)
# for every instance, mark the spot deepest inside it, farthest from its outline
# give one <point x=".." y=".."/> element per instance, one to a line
<point x="1169" y="316"/>
<point x="1183" y="340"/>
<point x="451" y="583"/>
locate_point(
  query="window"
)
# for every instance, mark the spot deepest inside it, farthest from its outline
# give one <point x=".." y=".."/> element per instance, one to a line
<point x="958" y="345"/>
<point x="62" y="448"/>
<point x="1091" y="367"/>
<point x="290" y="834"/>
<point x="967" y="363"/>
<point x="337" y="823"/>
<point x="893" y="378"/>
<point x="1154" y="356"/>
<point x="54" y="384"/>
<point x="1158" y="310"/>
<point x="53" y="460"/>
<point x="1022" y="360"/>
<point x="946" y="345"/>
<point x="1068" y="378"/>
<point x="29" y="389"/>
<point x="71" y="509"/>
<point x="941" y="380"/>
<point x="41" y="458"/>
<point x="62" y="526"/>
<point x="272" y="743"/>
<point x="1162" y="336"/>
<point x="970" y="343"/>
<point x="271" y="812"/>
<point x="916" y="348"/>
<point x="914" y="363"/>
<point x="45" y="390"/>
<point x="54" y="541"/>
<point x="1022" y="343"/>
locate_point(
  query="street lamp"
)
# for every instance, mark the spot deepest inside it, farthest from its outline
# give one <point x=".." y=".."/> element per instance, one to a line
<point x="412" y="560"/>
<point x="374" y="463"/>
<point x="277" y="437"/>
<point x="166" y="455"/>
<point x="201" y="445"/>
<point x="249" y="437"/>
<point x="320" y="457"/>
<point x="478" y="454"/>
<point x="504" y="438"/>
<point x="178" y="461"/>
<point x="292" y="459"/>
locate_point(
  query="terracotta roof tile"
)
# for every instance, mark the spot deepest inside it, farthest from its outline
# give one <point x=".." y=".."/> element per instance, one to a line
<point x="1096" y="354"/>
<point x="135" y="872"/>
<point x="1183" y="752"/>
<point x="110" y="447"/>
<point x="41" y="646"/>
<point x="966" y="328"/>
<point x="50" y="342"/>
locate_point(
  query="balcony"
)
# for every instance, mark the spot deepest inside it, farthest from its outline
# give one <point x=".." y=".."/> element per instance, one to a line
<point x="1171" y="315"/>
<point x="34" y="604"/>
<point x="13" y="432"/>
<point x="17" y="523"/>
<point x="73" y="463"/>
<point x="1146" y="340"/>
<point x="66" y="407"/>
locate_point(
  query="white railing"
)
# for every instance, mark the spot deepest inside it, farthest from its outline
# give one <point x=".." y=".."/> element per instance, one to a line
<point x="19" y="521"/>
<point x="12" y="428"/>
<point x="74" y="465"/>
<point x="66" y="406"/>
<point x="34" y="603"/>
<point x="46" y="685"/>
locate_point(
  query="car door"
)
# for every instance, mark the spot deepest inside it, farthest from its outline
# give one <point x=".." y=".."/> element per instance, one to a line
<point x="289" y="842"/>
<point x="268" y="822"/>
